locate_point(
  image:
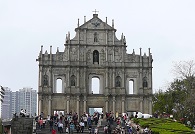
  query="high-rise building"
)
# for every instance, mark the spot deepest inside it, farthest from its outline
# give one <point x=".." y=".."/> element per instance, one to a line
<point x="28" y="100"/>
<point x="13" y="102"/>
<point x="6" y="105"/>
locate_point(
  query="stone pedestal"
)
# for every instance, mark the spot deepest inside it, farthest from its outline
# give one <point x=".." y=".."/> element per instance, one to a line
<point x="22" y="126"/>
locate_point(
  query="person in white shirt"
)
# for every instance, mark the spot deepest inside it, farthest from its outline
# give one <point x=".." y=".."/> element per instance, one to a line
<point x="82" y="124"/>
<point x="96" y="131"/>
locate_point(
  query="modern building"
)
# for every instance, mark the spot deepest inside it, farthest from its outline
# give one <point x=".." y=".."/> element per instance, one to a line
<point x="6" y="105"/>
<point x="28" y="100"/>
<point x="13" y="102"/>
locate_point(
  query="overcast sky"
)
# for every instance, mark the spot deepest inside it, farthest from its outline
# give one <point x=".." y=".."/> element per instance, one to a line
<point x="165" y="26"/>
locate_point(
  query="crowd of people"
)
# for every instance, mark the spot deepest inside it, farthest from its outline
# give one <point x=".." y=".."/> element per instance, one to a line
<point x="71" y="123"/>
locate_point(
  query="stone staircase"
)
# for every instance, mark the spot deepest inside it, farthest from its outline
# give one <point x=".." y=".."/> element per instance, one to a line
<point x="46" y="130"/>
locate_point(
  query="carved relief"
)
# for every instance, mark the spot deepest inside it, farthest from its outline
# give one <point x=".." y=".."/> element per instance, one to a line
<point x="102" y="56"/>
<point x="95" y="22"/>
<point x="60" y="71"/>
<point x="89" y="55"/>
<point x="66" y="54"/>
<point x="132" y="59"/>
<point x="118" y="72"/>
<point x="73" y="53"/>
<point x="60" y="57"/>
<point x="118" y="55"/>
<point x="81" y="55"/>
<point x="73" y="71"/>
<point x="45" y="80"/>
<point x="110" y="54"/>
<point x="132" y="74"/>
<point x="109" y="36"/>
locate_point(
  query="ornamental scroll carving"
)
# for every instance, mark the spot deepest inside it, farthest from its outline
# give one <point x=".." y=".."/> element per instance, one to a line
<point x="59" y="71"/>
<point x="66" y="54"/>
<point x="89" y="55"/>
<point x="132" y="74"/>
<point x="73" y="53"/>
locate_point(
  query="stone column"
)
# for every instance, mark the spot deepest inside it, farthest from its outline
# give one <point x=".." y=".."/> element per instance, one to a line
<point x="141" y="104"/>
<point x="113" y="103"/>
<point x="40" y="106"/>
<point x="107" y="77"/>
<point x="107" y="106"/>
<point x="68" y="52"/>
<point x="113" y="82"/>
<point x="106" y="37"/>
<point x="106" y="53"/>
<point x="113" y="57"/>
<point x="85" y="104"/>
<point x="68" y="80"/>
<point x="68" y="104"/>
<point x="50" y="80"/>
<point x="78" y="36"/>
<point x="123" y="79"/>
<point x="49" y="106"/>
<point x="85" y="36"/>
<point x="78" y="78"/>
<point x="123" y="104"/>
<point x="78" y="105"/>
<point x="40" y="75"/>
<point x="150" y="105"/>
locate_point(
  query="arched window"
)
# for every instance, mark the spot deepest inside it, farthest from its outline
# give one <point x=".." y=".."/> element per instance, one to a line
<point x="73" y="80"/>
<point x="59" y="85"/>
<point x="95" y="56"/>
<point x="95" y="37"/>
<point x="118" y="81"/>
<point x="95" y="85"/>
<point x="131" y="87"/>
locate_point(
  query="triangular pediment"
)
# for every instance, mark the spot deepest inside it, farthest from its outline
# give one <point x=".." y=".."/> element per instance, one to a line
<point x="95" y="23"/>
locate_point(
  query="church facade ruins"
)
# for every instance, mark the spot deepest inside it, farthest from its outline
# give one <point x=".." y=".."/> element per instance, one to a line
<point x="125" y="80"/>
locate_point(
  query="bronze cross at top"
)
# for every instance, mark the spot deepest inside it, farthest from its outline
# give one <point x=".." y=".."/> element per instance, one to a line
<point x="95" y="11"/>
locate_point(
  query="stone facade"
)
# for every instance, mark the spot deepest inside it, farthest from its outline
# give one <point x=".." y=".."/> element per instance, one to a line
<point x="95" y="52"/>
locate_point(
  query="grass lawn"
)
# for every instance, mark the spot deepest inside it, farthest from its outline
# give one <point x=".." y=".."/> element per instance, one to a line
<point x="164" y="126"/>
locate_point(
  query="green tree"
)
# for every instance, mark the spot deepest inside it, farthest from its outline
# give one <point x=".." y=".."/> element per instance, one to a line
<point x="179" y="97"/>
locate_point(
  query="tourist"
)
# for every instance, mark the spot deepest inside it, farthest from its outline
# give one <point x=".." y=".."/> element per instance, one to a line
<point x="82" y="125"/>
<point x="109" y="129"/>
<point x="105" y="129"/>
<point x="89" y="121"/>
<point x="130" y="131"/>
<point x="60" y="127"/>
<point x="51" y="124"/>
<point x="78" y="128"/>
<point x="72" y="127"/>
<point x="96" y="130"/>
<point x="41" y="123"/>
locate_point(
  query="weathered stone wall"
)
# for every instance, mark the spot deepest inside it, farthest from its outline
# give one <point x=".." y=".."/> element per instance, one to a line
<point x="22" y="125"/>
<point x="125" y="80"/>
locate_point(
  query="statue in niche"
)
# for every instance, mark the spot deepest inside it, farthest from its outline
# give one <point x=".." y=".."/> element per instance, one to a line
<point x="145" y="83"/>
<point x="95" y="37"/>
<point x="118" y="83"/>
<point x="45" y="80"/>
<point x="95" y="56"/>
<point x="72" y="82"/>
